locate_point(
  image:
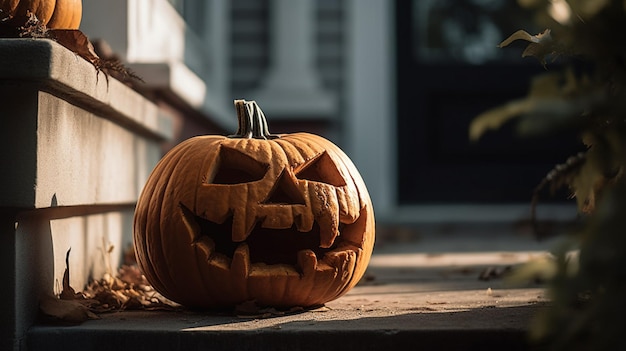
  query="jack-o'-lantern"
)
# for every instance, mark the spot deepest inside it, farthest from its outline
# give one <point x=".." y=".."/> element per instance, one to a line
<point x="281" y="220"/>
<point x="55" y="14"/>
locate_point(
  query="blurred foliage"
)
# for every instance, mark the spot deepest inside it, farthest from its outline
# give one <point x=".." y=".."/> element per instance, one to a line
<point x="586" y="95"/>
<point x="588" y="309"/>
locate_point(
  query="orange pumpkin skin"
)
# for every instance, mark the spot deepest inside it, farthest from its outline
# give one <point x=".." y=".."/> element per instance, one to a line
<point x="55" y="14"/>
<point x="283" y="222"/>
<point x="67" y="14"/>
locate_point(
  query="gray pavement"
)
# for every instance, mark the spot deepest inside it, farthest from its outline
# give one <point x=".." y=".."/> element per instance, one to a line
<point x="420" y="292"/>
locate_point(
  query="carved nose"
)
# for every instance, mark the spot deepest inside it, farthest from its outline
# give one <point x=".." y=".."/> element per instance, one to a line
<point x="285" y="192"/>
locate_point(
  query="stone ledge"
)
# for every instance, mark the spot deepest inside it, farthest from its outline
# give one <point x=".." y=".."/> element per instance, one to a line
<point x="71" y="135"/>
<point x="65" y="74"/>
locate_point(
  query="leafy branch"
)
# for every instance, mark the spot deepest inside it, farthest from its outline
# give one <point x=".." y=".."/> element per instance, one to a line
<point x="588" y="99"/>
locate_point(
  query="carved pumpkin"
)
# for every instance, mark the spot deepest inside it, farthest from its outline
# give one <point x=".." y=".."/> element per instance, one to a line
<point x="282" y="220"/>
<point x="55" y="14"/>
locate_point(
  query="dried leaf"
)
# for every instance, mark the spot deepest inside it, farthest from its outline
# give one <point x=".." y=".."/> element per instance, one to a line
<point x="22" y="27"/>
<point x="64" y="311"/>
<point x="79" y="43"/>
<point x="543" y="38"/>
<point x="72" y="39"/>
<point x="131" y="275"/>
<point x="4" y="16"/>
<point x="540" y="45"/>
<point x="76" y="41"/>
<point x="519" y="35"/>
<point x="128" y="290"/>
<point x="68" y="293"/>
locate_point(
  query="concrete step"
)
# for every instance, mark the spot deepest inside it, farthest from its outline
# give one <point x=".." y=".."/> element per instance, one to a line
<point x="478" y="329"/>
<point x="413" y="297"/>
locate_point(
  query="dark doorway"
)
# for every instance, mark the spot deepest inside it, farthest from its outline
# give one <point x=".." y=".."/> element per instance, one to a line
<point x="449" y="70"/>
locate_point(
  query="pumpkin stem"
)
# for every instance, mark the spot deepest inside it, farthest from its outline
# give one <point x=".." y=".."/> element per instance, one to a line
<point x="252" y="122"/>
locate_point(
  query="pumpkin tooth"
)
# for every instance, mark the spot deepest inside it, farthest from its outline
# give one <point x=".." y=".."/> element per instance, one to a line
<point x="328" y="233"/>
<point x="343" y="259"/>
<point x="337" y="257"/>
<point x="303" y="223"/>
<point x="242" y="226"/>
<point x="206" y="247"/>
<point x="240" y="264"/>
<point x="277" y="221"/>
<point x="307" y="262"/>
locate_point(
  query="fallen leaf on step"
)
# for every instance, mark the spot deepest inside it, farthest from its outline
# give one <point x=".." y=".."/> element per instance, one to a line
<point x="64" y="311"/>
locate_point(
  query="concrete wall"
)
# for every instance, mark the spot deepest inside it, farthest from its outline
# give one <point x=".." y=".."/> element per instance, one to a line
<point x="76" y="149"/>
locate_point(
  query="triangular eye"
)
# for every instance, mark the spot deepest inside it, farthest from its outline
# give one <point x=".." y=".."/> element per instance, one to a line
<point x="235" y="167"/>
<point x="321" y="169"/>
<point x="285" y="191"/>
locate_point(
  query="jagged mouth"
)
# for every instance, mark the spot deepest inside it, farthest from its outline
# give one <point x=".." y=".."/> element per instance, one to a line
<point x="302" y="250"/>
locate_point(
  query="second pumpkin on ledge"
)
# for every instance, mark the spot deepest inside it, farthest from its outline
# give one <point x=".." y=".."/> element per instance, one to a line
<point x="54" y="14"/>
